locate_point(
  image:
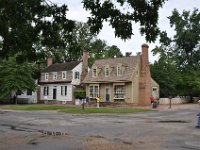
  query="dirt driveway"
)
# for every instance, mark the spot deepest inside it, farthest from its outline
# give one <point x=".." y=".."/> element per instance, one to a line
<point x="167" y="129"/>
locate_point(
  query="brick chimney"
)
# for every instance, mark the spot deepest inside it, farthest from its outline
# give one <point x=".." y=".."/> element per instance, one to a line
<point x="145" y="89"/>
<point x="49" y="61"/>
<point x="145" y="57"/>
<point x="84" y="65"/>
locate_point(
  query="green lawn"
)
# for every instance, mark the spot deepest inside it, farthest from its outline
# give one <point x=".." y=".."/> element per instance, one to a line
<point x="75" y="109"/>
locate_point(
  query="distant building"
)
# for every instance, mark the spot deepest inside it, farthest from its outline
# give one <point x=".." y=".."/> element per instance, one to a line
<point x="58" y="81"/>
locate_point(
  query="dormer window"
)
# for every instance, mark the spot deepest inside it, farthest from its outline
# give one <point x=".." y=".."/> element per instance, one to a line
<point x="54" y="75"/>
<point x="94" y="72"/>
<point x="76" y="75"/>
<point x="119" y="70"/>
<point x="107" y="71"/>
<point x="46" y="76"/>
<point x="64" y="74"/>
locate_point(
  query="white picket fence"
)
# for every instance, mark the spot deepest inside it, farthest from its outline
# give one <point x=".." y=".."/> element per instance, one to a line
<point x="175" y="100"/>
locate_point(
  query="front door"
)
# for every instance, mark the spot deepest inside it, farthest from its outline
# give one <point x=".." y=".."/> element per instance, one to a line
<point x="54" y="93"/>
<point x="107" y="94"/>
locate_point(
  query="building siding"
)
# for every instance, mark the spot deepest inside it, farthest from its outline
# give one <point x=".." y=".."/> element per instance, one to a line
<point x="78" y="68"/>
<point x="59" y="97"/>
<point x="29" y="98"/>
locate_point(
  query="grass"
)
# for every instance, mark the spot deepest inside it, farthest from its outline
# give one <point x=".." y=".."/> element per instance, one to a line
<point x="74" y="109"/>
<point x="34" y="107"/>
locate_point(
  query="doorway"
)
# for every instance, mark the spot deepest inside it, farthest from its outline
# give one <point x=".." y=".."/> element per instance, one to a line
<point x="107" y="94"/>
<point x="54" y="93"/>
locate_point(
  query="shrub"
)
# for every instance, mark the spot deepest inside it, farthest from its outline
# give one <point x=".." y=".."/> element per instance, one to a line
<point x="79" y="94"/>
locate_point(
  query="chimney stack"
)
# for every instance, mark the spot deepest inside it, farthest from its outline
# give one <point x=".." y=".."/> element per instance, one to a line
<point x="145" y="87"/>
<point x="49" y="61"/>
<point x="145" y="56"/>
<point x="84" y="65"/>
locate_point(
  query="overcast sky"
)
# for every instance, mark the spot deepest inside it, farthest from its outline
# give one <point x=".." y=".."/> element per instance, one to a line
<point x="76" y="12"/>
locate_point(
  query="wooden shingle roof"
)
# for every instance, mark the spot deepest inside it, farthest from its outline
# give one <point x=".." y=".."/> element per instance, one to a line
<point x="61" y="66"/>
<point x="129" y="69"/>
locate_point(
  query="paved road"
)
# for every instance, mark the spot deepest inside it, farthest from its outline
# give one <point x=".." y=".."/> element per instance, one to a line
<point x="167" y="129"/>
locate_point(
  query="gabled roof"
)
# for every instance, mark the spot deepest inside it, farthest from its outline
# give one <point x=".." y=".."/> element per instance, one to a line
<point x="128" y="63"/>
<point x="62" y="66"/>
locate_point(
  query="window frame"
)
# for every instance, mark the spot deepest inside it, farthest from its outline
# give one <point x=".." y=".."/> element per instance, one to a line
<point x="64" y="74"/>
<point x="55" y="75"/>
<point x="46" y="90"/>
<point x="46" y="76"/>
<point x="29" y="92"/>
<point x="107" y="71"/>
<point x="119" y="91"/>
<point x="94" y="72"/>
<point x="63" y="90"/>
<point x="119" y="70"/>
<point x="76" y="75"/>
<point x="93" y="91"/>
<point x="19" y="92"/>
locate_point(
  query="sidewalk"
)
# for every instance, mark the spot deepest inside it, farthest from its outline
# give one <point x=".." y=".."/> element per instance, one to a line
<point x="178" y="106"/>
<point x="165" y="107"/>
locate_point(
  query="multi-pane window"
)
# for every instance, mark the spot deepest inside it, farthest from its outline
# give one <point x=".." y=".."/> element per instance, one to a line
<point x="94" y="91"/>
<point x="64" y="74"/>
<point x="119" y="70"/>
<point x="46" y="76"/>
<point x="76" y="75"/>
<point x="54" y="75"/>
<point x="94" y="72"/>
<point x="46" y="91"/>
<point x="106" y="71"/>
<point x="19" y="92"/>
<point x="119" y="91"/>
<point x="29" y="92"/>
<point x="63" y="90"/>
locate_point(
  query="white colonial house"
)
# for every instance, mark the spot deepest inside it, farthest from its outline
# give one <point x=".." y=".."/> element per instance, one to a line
<point x="26" y="96"/>
<point x="58" y="80"/>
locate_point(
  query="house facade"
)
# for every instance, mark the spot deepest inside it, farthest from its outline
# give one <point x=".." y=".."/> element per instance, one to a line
<point x="125" y="79"/>
<point x="58" y="81"/>
<point x="25" y="97"/>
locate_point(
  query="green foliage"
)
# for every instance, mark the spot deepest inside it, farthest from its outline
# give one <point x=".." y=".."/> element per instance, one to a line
<point x="79" y="94"/>
<point x="25" y="23"/>
<point x="187" y="38"/>
<point x="84" y="40"/>
<point x="139" y="11"/>
<point x="15" y="77"/>
<point x="100" y="50"/>
<point x="113" y="52"/>
<point x="177" y="70"/>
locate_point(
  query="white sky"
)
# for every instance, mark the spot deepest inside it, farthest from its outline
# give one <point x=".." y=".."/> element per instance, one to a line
<point x="76" y="12"/>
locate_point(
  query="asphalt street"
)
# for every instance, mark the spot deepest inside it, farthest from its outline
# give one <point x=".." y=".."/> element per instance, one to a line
<point x="165" y="129"/>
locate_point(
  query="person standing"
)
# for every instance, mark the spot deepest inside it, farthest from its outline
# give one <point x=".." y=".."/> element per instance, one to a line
<point x="154" y="102"/>
<point x="97" y="101"/>
<point x="151" y="99"/>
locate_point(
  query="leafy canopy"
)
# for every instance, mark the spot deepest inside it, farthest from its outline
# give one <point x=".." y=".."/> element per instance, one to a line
<point x="122" y="13"/>
<point x="177" y="70"/>
<point x="23" y="23"/>
<point x="26" y="23"/>
<point x="15" y="77"/>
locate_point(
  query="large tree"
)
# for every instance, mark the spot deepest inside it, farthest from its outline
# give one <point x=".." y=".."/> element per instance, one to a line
<point x="186" y="42"/>
<point x="25" y="23"/>
<point x="15" y="76"/>
<point x="165" y="72"/>
<point x="122" y="13"/>
<point x="184" y="52"/>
